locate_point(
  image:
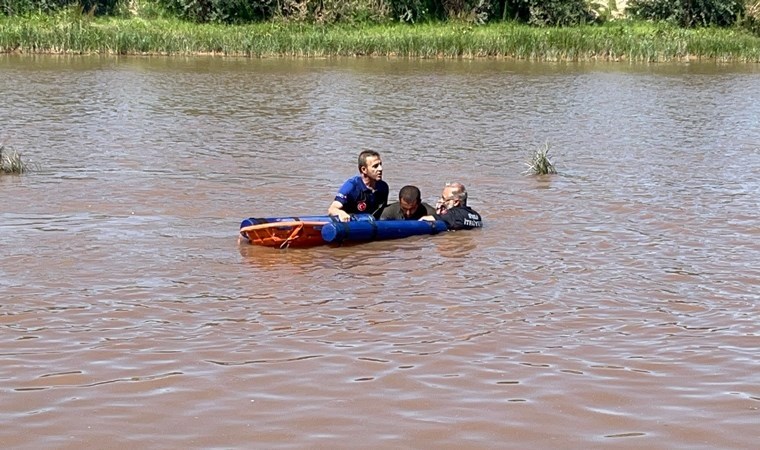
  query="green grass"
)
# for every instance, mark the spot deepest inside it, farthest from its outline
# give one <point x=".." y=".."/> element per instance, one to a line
<point x="617" y="41"/>
<point x="10" y="161"/>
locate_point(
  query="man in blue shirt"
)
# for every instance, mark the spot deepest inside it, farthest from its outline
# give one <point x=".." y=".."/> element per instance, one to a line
<point x="364" y="193"/>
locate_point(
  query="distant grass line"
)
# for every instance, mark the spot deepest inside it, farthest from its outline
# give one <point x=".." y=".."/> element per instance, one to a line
<point x="636" y="42"/>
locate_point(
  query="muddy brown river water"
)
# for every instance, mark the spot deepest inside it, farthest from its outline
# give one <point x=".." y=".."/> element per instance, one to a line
<point x="614" y="305"/>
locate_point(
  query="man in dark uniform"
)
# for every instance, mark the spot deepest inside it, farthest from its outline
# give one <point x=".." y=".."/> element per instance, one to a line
<point x="364" y="193"/>
<point x="452" y="208"/>
<point x="409" y="206"/>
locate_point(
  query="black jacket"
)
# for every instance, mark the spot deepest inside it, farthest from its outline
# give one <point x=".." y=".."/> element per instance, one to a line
<point x="460" y="218"/>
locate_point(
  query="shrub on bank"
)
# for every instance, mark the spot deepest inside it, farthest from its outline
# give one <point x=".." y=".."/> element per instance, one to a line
<point x="686" y="13"/>
<point x="552" y="12"/>
<point x="750" y="20"/>
<point x="22" y="7"/>
<point x="689" y="13"/>
<point x="536" y="12"/>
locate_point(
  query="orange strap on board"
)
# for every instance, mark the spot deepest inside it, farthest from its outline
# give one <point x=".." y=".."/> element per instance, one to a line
<point x="276" y="234"/>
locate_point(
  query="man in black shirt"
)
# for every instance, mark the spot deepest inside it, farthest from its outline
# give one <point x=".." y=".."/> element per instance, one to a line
<point x="452" y="208"/>
<point x="409" y="206"/>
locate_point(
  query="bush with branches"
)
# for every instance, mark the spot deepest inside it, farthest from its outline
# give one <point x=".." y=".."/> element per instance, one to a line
<point x="551" y="12"/>
<point x="688" y="13"/>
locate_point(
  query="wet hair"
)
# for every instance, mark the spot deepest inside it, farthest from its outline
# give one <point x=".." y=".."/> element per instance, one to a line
<point x="364" y="155"/>
<point x="410" y="194"/>
<point x="459" y="192"/>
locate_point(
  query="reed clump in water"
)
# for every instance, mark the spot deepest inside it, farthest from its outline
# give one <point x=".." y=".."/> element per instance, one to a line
<point x="540" y="164"/>
<point x="10" y="161"/>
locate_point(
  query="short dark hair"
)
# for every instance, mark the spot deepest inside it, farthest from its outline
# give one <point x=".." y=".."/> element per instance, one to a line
<point x="366" y="154"/>
<point x="410" y="194"/>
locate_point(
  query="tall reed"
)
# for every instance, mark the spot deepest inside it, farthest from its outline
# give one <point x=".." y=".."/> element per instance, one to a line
<point x="10" y="161"/>
<point x="539" y="163"/>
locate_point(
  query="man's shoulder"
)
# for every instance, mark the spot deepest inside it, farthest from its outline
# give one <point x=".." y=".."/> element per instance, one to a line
<point x="472" y="211"/>
<point x="465" y="211"/>
<point x="351" y="184"/>
<point x="462" y="217"/>
<point x="471" y="218"/>
<point x="391" y="212"/>
<point x="393" y="207"/>
<point x="354" y="180"/>
<point x="428" y="209"/>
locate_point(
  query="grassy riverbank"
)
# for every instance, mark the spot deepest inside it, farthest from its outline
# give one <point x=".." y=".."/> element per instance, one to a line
<point x="618" y="41"/>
